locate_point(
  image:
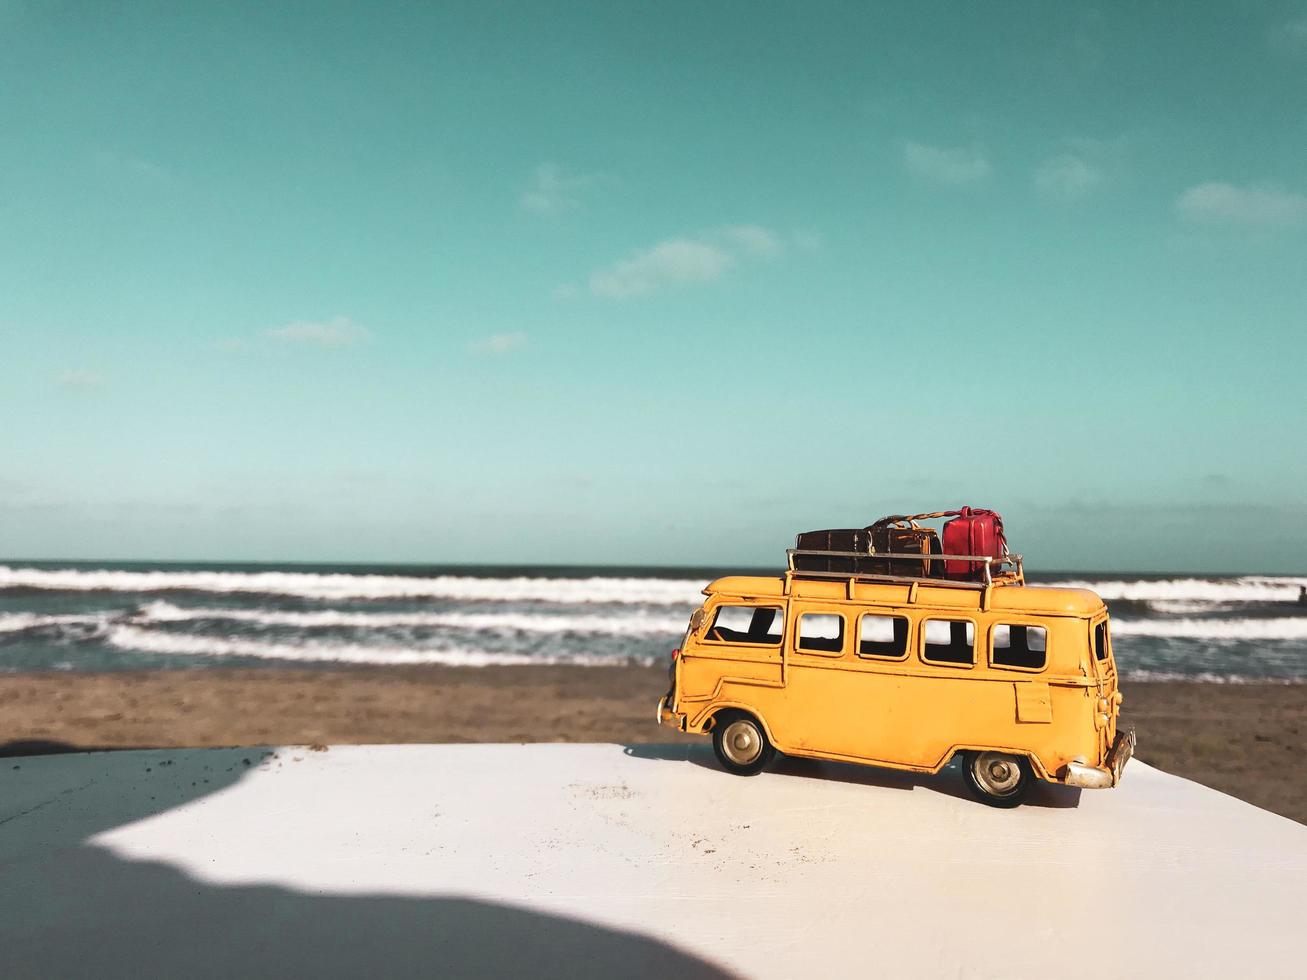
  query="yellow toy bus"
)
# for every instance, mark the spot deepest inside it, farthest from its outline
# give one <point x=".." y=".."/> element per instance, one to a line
<point x="905" y="674"/>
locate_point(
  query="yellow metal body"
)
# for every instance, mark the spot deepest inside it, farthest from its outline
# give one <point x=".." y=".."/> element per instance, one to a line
<point x="906" y="712"/>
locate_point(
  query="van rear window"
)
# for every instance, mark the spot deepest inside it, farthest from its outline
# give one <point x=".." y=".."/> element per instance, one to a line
<point x="883" y="636"/>
<point x="1020" y="646"/>
<point x="747" y="624"/>
<point x="950" y="641"/>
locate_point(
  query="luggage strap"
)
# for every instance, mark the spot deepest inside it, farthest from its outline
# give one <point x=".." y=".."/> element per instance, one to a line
<point x="910" y="520"/>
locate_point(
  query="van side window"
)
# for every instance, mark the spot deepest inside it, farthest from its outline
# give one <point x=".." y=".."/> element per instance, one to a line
<point x="747" y="624"/>
<point x="821" y="633"/>
<point x="950" y="641"/>
<point x="1020" y="646"/>
<point x="882" y="636"/>
<point x="1100" y="641"/>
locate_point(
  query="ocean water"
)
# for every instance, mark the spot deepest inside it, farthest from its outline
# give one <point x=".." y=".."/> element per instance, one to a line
<point x="105" y="616"/>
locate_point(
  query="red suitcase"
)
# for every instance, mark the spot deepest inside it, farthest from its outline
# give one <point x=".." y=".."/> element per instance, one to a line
<point x="972" y="532"/>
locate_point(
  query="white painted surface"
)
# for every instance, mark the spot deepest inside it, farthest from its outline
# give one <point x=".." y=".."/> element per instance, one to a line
<point x="583" y="860"/>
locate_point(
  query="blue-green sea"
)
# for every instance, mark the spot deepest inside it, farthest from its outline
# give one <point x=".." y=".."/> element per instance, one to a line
<point x="94" y="616"/>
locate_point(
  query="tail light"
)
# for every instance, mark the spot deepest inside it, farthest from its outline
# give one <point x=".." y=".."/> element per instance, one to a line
<point x="676" y="653"/>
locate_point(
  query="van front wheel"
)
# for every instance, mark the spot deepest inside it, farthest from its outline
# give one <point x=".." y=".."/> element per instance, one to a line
<point x="997" y="778"/>
<point x="741" y="745"/>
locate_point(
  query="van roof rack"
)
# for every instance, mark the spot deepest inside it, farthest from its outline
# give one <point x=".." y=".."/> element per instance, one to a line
<point x="992" y="569"/>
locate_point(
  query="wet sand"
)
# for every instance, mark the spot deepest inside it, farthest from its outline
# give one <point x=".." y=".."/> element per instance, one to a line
<point x="1244" y="740"/>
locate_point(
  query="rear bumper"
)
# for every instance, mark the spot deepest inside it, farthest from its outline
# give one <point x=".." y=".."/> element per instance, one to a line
<point x="1093" y="777"/>
<point x="666" y="716"/>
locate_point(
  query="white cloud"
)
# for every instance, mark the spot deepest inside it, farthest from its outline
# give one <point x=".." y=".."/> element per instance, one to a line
<point x="677" y="261"/>
<point x="80" y="379"/>
<point x="946" y="165"/>
<point x="754" y="240"/>
<point x="1067" y="176"/>
<point x="808" y="241"/>
<point x="340" y="332"/>
<point x="552" y="190"/>
<point x="691" y="260"/>
<point x="500" y="343"/>
<point x="1292" y="34"/>
<point x="1225" y="203"/>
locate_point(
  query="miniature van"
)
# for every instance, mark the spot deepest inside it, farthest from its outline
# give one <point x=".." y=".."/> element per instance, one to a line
<point x="906" y="674"/>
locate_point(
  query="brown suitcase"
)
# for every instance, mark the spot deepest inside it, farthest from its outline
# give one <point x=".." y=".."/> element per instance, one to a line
<point x="855" y="539"/>
<point x="891" y="534"/>
<point x="900" y="535"/>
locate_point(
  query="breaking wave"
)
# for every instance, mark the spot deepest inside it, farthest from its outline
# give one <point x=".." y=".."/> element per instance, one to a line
<point x="630" y="624"/>
<point x="166" y="612"/>
<point x="1205" y="677"/>
<point x="21" y="622"/>
<point x="1285" y="628"/>
<point x="1183" y="607"/>
<point x="151" y="641"/>
<point x="625" y="625"/>
<point x="342" y="586"/>
<point x="1250" y="588"/>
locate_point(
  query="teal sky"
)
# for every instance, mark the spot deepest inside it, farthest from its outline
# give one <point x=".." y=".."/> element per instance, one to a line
<point x="660" y="283"/>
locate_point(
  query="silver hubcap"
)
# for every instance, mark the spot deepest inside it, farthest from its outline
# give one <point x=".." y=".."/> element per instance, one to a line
<point x="997" y="774"/>
<point x="742" y="742"/>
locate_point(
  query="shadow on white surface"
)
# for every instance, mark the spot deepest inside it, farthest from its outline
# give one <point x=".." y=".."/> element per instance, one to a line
<point x="72" y="909"/>
<point x="947" y="782"/>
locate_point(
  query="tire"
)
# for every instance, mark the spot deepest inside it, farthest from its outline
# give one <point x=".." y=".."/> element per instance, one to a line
<point x="997" y="778"/>
<point x="741" y="744"/>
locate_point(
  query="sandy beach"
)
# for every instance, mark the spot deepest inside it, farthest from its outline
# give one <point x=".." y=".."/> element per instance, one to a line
<point x="1242" y="739"/>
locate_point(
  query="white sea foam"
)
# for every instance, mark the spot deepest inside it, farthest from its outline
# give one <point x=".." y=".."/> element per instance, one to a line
<point x="1281" y="628"/>
<point x="597" y="589"/>
<point x="624" y="625"/>
<point x="152" y="641"/>
<point x="1182" y="607"/>
<point x="310" y="585"/>
<point x="19" y="622"/>
<point x="1206" y="677"/>
<point x="1251" y="588"/>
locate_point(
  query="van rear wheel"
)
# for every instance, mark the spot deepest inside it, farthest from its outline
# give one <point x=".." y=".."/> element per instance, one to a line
<point x="997" y="778"/>
<point x="741" y="745"/>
